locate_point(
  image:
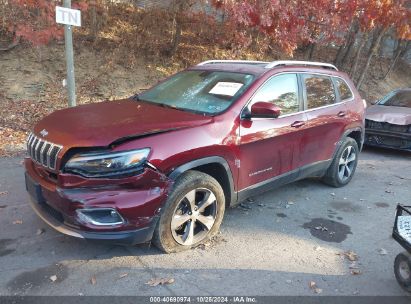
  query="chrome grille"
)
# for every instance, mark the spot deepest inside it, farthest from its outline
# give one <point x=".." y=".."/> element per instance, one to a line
<point x="42" y="151"/>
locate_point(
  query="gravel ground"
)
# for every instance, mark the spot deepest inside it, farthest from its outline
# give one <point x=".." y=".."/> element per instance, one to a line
<point x="275" y="244"/>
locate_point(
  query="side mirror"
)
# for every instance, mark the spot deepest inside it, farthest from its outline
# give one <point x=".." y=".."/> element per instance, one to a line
<point x="265" y="110"/>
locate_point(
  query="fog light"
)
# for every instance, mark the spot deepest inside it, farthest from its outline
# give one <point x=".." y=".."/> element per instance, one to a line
<point x="100" y="216"/>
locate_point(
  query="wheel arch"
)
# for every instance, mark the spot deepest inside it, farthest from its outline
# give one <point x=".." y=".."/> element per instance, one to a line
<point x="355" y="133"/>
<point x="215" y="166"/>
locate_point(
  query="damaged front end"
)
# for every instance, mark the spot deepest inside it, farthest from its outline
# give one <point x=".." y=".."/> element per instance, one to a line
<point x="122" y="208"/>
<point x="388" y="135"/>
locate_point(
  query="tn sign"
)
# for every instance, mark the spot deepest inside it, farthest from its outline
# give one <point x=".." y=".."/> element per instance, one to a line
<point x="68" y="16"/>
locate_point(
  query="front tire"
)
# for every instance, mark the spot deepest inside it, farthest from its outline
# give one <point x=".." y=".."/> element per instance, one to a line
<point x="343" y="166"/>
<point x="192" y="214"/>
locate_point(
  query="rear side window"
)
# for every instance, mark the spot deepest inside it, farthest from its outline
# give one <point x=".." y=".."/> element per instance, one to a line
<point x="343" y="89"/>
<point x="281" y="90"/>
<point x="319" y="91"/>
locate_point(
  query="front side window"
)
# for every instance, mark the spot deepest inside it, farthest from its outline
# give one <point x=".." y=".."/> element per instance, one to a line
<point x="397" y="99"/>
<point x="282" y="91"/>
<point x="205" y="92"/>
<point x="319" y="91"/>
<point x="343" y="89"/>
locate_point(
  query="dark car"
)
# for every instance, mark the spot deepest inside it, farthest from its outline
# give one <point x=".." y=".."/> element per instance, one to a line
<point x="388" y="122"/>
<point x="164" y="164"/>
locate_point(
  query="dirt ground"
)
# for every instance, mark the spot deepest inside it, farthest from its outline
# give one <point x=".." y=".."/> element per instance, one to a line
<point x="31" y="86"/>
<point x="280" y="243"/>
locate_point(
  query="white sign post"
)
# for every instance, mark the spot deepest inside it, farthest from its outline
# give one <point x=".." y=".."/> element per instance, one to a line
<point x="67" y="16"/>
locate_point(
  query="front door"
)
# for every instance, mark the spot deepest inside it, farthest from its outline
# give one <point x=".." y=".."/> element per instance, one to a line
<point x="269" y="147"/>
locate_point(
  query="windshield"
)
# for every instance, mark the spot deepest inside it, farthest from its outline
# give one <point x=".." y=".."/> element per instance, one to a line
<point x="206" y="92"/>
<point x="397" y="99"/>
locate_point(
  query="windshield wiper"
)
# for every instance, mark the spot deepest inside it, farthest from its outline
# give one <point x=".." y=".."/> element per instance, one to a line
<point x="135" y="97"/>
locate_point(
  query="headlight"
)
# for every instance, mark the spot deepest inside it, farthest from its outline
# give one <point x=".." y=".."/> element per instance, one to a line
<point x="107" y="164"/>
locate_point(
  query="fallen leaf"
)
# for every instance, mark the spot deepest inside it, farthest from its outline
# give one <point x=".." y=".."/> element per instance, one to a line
<point x="40" y="231"/>
<point x="314" y="287"/>
<point x="53" y="278"/>
<point x="17" y="222"/>
<point x="4" y="193"/>
<point x="160" y="281"/>
<point x="350" y="255"/>
<point x="93" y="280"/>
<point x="356" y="272"/>
<point x="123" y="275"/>
<point x="382" y="251"/>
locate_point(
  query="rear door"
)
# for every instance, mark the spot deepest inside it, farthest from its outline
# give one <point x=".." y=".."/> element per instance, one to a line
<point x="269" y="147"/>
<point x="326" y="119"/>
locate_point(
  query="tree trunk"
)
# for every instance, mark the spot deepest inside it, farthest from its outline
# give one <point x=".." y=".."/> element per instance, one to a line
<point x="311" y="51"/>
<point x="374" y="47"/>
<point x="94" y="25"/>
<point x="357" y="55"/>
<point x="399" y="52"/>
<point x="345" y="50"/>
<point x="179" y="6"/>
<point x="340" y="52"/>
<point x="176" y="36"/>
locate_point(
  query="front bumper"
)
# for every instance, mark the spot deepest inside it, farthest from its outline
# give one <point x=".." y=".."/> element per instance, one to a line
<point x="138" y="236"/>
<point x="137" y="199"/>
<point x="387" y="139"/>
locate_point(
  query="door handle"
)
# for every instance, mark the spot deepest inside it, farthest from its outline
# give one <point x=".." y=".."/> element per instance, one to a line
<point x="341" y="114"/>
<point x="297" y="124"/>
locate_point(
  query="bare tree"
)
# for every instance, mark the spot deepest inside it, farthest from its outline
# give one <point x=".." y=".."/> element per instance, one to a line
<point x="401" y="49"/>
<point x="373" y="50"/>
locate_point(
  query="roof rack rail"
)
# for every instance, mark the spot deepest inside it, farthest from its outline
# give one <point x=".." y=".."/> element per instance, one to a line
<point x="296" y="62"/>
<point x="232" y="61"/>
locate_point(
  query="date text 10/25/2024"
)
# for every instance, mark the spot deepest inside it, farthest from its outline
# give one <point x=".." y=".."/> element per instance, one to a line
<point x="207" y="299"/>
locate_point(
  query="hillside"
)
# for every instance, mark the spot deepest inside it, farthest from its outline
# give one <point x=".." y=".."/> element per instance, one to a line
<point x="131" y="51"/>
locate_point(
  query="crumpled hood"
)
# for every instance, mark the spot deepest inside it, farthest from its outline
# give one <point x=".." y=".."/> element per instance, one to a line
<point x="393" y="115"/>
<point x="100" y="124"/>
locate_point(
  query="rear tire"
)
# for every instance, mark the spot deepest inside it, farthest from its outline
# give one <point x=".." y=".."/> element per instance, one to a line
<point x="192" y="214"/>
<point x="402" y="270"/>
<point x="343" y="166"/>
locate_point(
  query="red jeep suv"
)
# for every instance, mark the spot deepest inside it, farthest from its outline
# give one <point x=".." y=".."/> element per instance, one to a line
<point x="163" y="165"/>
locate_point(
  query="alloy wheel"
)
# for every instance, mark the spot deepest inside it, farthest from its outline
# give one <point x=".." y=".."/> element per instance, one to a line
<point x="194" y="216"/>
<point x="346" y="163"/>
